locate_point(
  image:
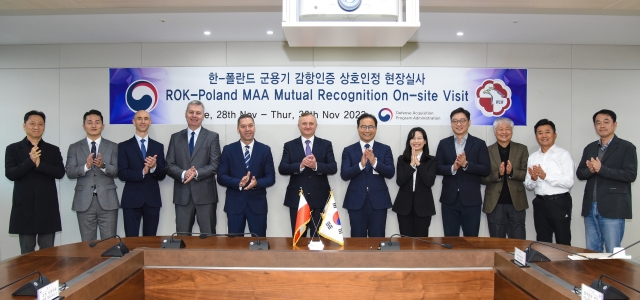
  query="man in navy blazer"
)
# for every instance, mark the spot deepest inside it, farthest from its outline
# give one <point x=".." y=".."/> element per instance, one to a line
<point x="308" y="160"/>
<point x="246" y="169"/>
<point x="141" y="165"/>
<point x="462" y="161"/>
<point x="366" y="164"/>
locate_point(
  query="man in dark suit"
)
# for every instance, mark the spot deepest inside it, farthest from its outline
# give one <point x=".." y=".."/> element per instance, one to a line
<point x="462" y="161"/>
<point x="192" y="161"/>
<point x="609" y="165"/>
<point x="34" y="165"/>
<point x="246" y="169"/>
<point x="141" y="165"/>
<point x="308" y="160"/>
<point x="505" y="199"/>
<point x="93" y="162"/>
<point x="366" y="164"/>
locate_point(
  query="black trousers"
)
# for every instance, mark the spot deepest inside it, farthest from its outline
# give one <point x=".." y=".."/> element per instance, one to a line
<point x="552" y="215"/>
<point x="456" y="216"/>
<point x="414" y="225"/>
<point x="505" y="219"/>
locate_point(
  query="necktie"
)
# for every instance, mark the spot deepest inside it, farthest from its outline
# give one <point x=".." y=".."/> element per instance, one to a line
<point x="143" y="148"/>
<point x="307" y="150"/>
<point x="247" y="156"/>
<point x="93" y="151"/>
<point x="192" y="142"/>
<point x="367" y="168"/>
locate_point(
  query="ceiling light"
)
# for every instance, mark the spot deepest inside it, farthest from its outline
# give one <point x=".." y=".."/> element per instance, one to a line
<point x="460" y="33"/>
<point x="207" y="32"/>
<point x="269" y="32"/>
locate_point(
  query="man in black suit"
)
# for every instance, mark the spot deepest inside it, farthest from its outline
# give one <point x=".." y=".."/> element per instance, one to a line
<point x="609" y="165"/>
<point x="463" y="160"/>
<point x="34" y="165"/>
<point x="141" y="166"/>
<point x="308" y="160"/>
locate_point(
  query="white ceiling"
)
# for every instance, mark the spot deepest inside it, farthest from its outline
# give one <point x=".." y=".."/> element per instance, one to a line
<point x="252" y="26"/>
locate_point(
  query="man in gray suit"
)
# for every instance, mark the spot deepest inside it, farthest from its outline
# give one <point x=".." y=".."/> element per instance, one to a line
<point x="93" y="161"/>
<point x="505" y="199"/>
<point x="192" y="161"/>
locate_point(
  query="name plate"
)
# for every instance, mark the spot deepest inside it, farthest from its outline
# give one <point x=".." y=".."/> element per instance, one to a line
<point x="520" y="256"/>
<point x="50" y="291"/>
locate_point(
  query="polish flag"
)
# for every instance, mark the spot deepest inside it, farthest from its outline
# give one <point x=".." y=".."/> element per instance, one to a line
<point x="304" y="216"/>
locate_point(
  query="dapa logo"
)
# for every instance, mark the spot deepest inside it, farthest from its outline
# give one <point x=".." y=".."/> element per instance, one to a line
<point x="493" y="98"/>
<point x="385" y="115"/>
<point x="142" y="95"/>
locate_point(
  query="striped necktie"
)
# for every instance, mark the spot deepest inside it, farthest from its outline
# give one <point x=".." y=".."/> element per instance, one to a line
<point x="247" y="156"/>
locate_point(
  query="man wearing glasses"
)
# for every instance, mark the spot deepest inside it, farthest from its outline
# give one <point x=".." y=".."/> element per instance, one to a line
<point x="463" y="160"/>
<point x="366" y="164"/>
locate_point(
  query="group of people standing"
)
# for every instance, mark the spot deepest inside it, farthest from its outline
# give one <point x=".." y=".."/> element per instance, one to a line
<point x="246" y="168"/>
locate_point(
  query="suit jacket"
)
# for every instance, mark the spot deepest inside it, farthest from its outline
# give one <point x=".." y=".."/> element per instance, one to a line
<point x="363" y="182"/>
<point x="422" y="203"/>
<point x="613" y="182"/>
<point x="466" y="181"/>
<point x="315" y="184"/>
<point x="232" y="169"/>
<point x="35" y="207"/>
<point x="518" y="155"/>
<point x="206" y="156"/>
<point x="140" y="189"/>
<point x="101" y="180"/>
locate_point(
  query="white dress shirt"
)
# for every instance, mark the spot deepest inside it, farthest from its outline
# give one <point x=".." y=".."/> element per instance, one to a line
<point x="97" y="151"/>
<point x="146" y="146"/>
<point x="195" y="139"/>
<point x="364" y="148"/>
<point x="243" y="145"/>
<point x="416" y="172"/>
<point x="304" y="147"/>
<point x="559" y="167"/>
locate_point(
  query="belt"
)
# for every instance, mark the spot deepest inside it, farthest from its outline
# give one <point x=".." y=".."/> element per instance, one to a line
<point x="553" y="197"/>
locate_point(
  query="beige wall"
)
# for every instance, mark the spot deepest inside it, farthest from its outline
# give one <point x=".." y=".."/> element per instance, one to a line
<point x="567" y="84"/>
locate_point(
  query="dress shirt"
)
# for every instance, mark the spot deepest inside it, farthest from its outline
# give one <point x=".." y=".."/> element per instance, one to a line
<point x="146" y="145"/>
<point x="304" y="146"/>
<point x="242" y="146"/>
<point x="195" y="139"/>
<point x="364" y="148"/>
<point x="559" y="167"/>
<point x="97" y="151"/>
<point x="459" y="149"/>
<point x="416" y="172"/>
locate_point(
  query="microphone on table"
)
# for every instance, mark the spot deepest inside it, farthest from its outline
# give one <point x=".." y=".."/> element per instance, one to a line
<point x="118" y="250"/>
<point x="625" y="248"/>
<point x="30" y="288"/>
<point x="257" y="245"/>
<point x="534" y="256"/>
<point x="391" y="246"/>
<point x="175" y="243"/>
<point x="608" y="291"/>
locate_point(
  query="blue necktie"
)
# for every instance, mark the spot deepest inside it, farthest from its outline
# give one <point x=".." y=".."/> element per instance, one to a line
<point x="247" y="156"/>
<point x="307" y="150"/>
<point x="367" y="168"/>
<point x="192" y="142"/>
<point x="143" y="148"/>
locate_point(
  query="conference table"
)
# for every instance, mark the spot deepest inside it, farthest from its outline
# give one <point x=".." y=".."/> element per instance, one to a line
<point x="225" y="268"/>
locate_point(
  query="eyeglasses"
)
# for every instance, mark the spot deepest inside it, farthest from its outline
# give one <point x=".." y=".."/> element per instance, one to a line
<point x="364" y="127"/>
<point x="461" y="121"/>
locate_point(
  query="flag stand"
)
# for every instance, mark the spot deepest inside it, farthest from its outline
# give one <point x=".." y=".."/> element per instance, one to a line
<point x="315" y="245"/>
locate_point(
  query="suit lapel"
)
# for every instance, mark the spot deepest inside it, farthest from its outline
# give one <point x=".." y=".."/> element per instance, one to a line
<point x="85" y="148"/>
<point x="184" y="142"/>
<point x="240" y="152"/>
<point x="136" y="147"/>
<point x="301" y="151"/>
<point x="316" y="148"/>
<point x="513" y="153"/>
<point x="494" y="151"/>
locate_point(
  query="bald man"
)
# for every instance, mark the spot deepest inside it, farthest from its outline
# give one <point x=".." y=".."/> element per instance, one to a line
<point x="141" y="166"/>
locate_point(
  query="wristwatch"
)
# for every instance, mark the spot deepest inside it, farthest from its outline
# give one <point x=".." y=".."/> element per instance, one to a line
<point x="103" y="166"/>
